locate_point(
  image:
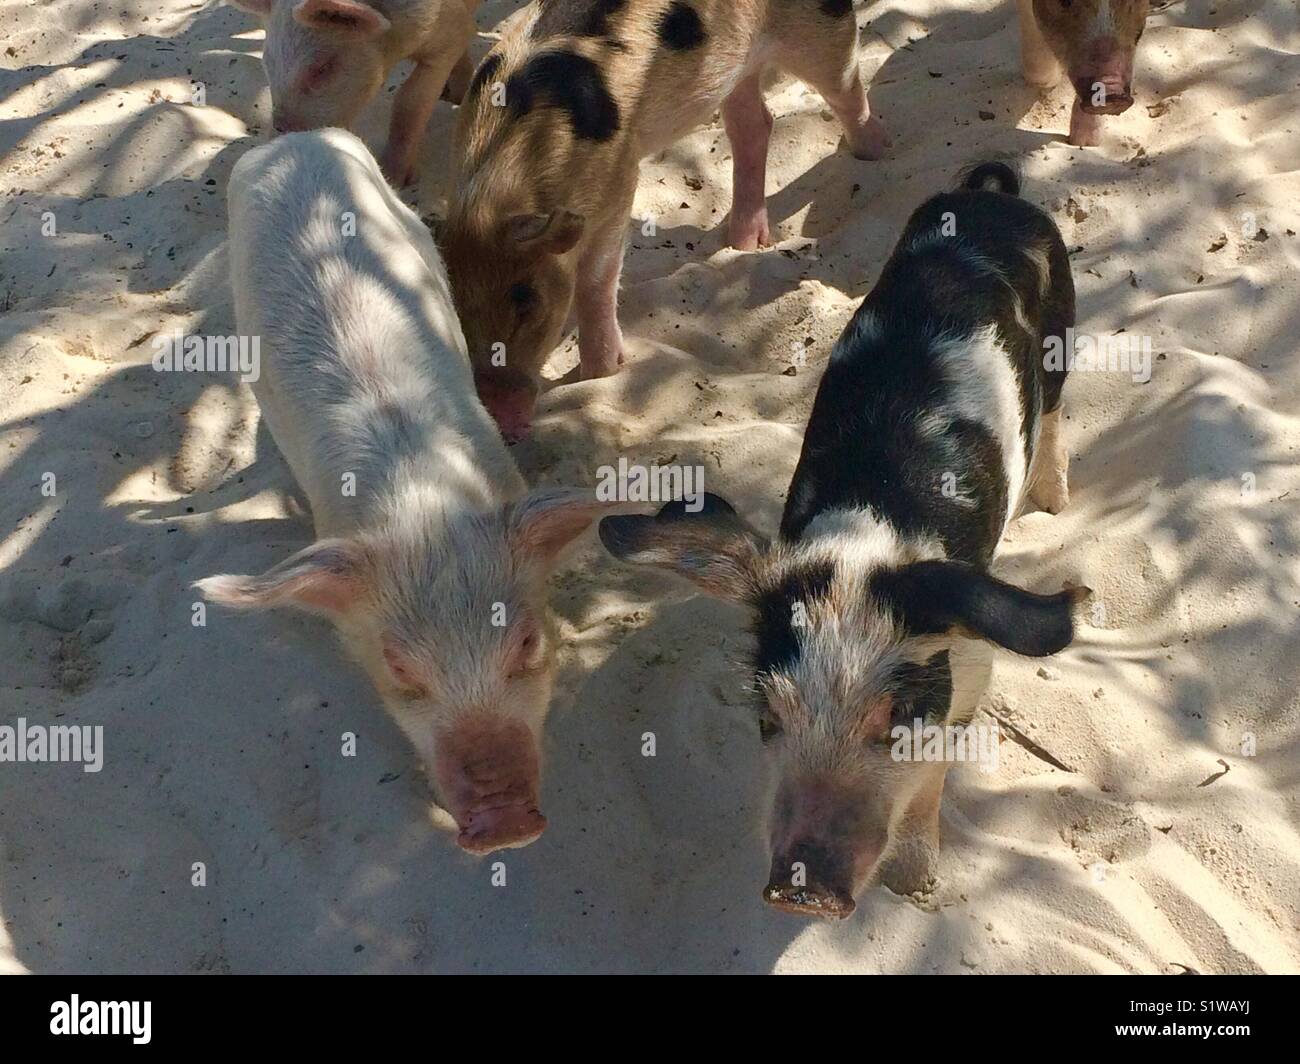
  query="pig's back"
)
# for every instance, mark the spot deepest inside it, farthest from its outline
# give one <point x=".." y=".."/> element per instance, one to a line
<point x="364" y="369"/>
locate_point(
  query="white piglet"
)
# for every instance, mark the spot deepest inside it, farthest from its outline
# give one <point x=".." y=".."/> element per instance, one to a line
<point x="327" y="59"/>
<point x="431" y="557"/>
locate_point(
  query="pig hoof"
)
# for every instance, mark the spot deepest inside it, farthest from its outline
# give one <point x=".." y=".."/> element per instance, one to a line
<point x="399" y="171"/>
<point x="1052" y="497"/>
<point x="749" y="234"/>
<point x="869" y="141"/>
<point x="605" y="367"/>
<point x="910" y="872"/>
<point x="1085" y="129"/>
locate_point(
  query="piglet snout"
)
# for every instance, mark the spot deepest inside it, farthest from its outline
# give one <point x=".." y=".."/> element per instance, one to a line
<point x="811" y="881"/>
<point x="1103" y="95"/>
<point x="501" y="828"/>
<point x="509" y="396"/>
<point x="1103" y="81"/>
<point x="487" y="772"/>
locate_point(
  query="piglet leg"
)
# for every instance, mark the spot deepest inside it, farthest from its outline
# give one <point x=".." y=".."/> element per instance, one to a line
<point x="421" y="91"/>
<point x="458" y="81"/>
<point x="600" y="340"/>
<point x="834" y="74"/>
<point x="910" y="866"/>
<point x="1041" y="68"/>
<point x="1085" y="128"/>
<point x="1049" y="477"/>
<point x="412" y="109"/>
<point x="749" y="128"/>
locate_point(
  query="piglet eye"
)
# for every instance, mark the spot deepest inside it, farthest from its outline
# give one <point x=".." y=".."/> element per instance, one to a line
<point x="402" y="670"/>
<point x="319" y="73"/>
<point x="526" y="648"/>
<point x="768" y="728"/>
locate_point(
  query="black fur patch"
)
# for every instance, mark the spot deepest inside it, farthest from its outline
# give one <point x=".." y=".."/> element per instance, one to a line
<point x="680" y="27"/>
<point x="836" y="8"/>
<point x="575" y="18"/>
<point x="868" y="442"/>
<point x="484" y="75"/>
<point x="933" y="597"/>
<point x="923" y="691"/>
<point x="522" y="295"/>
<point x="778" y="635"/>
<point x="569" y="81"/>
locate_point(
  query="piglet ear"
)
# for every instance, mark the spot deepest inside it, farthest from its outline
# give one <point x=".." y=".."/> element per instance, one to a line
<point x="254" y="7"/>
<point x="935" y="597"/>
<point x="344" y="16"/>
<point x="553" y="233"/>
<point x="713" y="546"/>
<point x="328" y="577"/>
<point x="544" y="522"/>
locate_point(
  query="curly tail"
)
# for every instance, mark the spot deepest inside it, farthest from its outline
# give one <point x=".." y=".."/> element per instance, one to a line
<point x="992" y="177"/>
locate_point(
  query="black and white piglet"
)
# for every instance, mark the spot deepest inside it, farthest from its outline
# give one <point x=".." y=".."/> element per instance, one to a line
<point x="875" y="607"/>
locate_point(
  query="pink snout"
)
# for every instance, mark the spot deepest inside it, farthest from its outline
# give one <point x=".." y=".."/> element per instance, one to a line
<point x="1103" y="95"/>
<point x="509" y="396"/>
<point x="487" y="771"/>
<point x="1104" y="80"/>
<point x="503" y="828"/>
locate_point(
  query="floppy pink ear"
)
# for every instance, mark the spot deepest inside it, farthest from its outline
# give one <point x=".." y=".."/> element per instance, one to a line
<point x="345" y="16"/>
<point x="254" y="7"/>
<point x="328" y="577"/>
<point x="546" y="521"/>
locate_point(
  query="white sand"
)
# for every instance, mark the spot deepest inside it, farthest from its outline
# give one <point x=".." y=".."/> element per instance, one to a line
<point x="222" y="743"/>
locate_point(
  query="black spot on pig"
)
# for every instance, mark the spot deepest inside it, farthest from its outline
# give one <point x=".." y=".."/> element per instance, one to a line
<point x="680" y="27"/>
<point x="487" y="70"/>
<point x="781" y="614"/>
<point x="522" y="295"/>
<point x="922" y="691"/>
<point x="571" y="82"/>
<point x="575" y="18"/>
<point x="836" y="8"/>
<point x="936" y="597"/>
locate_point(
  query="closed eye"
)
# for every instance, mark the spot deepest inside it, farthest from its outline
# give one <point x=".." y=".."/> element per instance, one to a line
<point x="318" y="74"/>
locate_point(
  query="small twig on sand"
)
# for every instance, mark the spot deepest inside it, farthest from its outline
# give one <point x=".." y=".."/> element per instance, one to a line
<point x="1218" y="775"/>
<point x="1021" y="739"/>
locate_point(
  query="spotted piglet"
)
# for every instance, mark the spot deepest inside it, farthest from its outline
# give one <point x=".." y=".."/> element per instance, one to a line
<point x="1094" y="41"/>
<point x="327" y="59"/>
<point x="553" y="129"/>
<point x="431" y="557"/>
<point x="875" y="607"/>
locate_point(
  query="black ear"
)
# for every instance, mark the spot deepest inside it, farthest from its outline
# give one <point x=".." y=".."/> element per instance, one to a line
<point x="713" y="547"/>
<point x="933" y="597"/>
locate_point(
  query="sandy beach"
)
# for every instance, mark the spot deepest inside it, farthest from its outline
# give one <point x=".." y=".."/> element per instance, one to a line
<point x="1145" y="813"/>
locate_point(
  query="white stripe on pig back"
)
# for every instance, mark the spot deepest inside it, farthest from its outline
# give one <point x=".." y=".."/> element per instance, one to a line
<point x="364" y="368"/>
<point x="981" y="386"/>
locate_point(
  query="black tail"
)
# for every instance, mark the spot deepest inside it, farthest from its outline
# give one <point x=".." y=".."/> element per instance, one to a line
<point x="992" y="177"/>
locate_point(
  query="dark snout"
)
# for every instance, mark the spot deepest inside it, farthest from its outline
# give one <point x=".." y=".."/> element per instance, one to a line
<point x="1104" y="96"/>
<point x="811" y="880"/>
